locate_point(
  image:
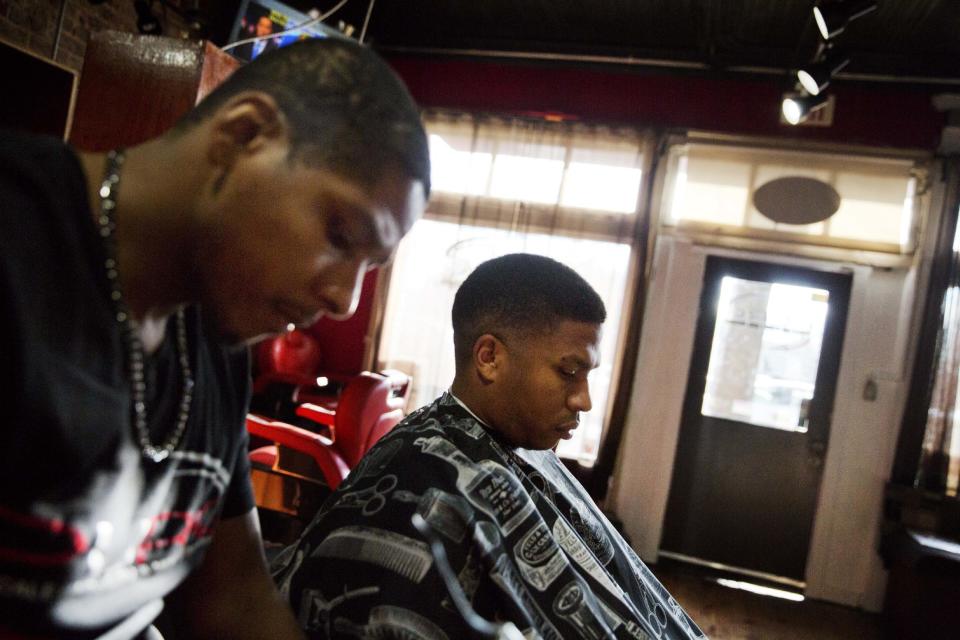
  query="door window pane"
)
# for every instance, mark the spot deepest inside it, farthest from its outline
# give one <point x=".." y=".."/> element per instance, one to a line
<point x="765" y="353"/>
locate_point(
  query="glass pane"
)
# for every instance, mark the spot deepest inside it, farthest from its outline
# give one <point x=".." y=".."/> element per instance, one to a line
<point x="765" y="353"/>
<point x="435" y="257"/>
<point x="458" y="170"/>
<point x="935" y="414"/>
<point x="711" y="191"/>
<point x="527" y="179"/>
<point x="715" y="185"/>
<point x="601" y="187"/>
<point x="873" y="208"/>
<point x="592" y="169"/>
<point x="602" y="175"/>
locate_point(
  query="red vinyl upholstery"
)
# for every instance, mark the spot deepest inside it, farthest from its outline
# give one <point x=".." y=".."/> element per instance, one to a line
<point x="331" y="465"/>
<point x="293" y="358"/>
<point x="291" y="477"/>
<point x="368" y="407"/>
<point x="338" y="418"/>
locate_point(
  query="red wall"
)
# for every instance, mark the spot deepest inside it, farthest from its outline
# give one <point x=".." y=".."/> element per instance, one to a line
<point x="341" y="341"/>
<point x="879" y="114"/>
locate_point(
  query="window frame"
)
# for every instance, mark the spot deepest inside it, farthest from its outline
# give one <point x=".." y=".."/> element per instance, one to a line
<point x="780" y="241"/>
<point x="627" y="228"/>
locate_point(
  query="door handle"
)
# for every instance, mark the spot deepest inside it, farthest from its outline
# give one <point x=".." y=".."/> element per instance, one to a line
<point x="818" y="450"/>
<point x="803" y="420"/>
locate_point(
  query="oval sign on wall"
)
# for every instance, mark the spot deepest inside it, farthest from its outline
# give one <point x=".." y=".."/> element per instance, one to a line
<point x="796" y="200"/>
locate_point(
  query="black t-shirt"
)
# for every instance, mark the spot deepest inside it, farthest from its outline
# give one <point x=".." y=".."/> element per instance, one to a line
<point x="92" y="533"/>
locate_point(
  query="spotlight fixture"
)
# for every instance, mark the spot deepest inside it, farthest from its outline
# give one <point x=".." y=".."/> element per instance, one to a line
<point x="833" y="16"/>
<point x="817" y="75"/>
<point x="797" y="108"/>
<point x="147" y="23"/>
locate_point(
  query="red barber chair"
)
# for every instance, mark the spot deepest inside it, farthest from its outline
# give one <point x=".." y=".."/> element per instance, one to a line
<point x="312" y="429"/>
<point x="368" y="407"/>
<point x="292" y="359"/>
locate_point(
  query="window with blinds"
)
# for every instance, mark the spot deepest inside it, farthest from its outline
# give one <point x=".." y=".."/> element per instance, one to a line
<point x="567" y="191"/>
<point x="710" y="188"/>
<point x="546" y="176"/>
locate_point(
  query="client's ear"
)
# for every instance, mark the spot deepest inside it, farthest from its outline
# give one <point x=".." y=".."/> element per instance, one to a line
<point x="488" y="357"/>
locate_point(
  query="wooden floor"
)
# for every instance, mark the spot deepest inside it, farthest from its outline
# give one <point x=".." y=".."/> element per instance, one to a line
<point x="730" y="614"/>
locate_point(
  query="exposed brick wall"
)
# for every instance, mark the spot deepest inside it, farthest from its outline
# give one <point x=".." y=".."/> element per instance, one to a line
<point x="32" y="25"/>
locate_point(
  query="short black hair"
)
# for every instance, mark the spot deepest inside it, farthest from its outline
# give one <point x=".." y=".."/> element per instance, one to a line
<point x="520" y="292"/>
<point x="347" y="110"/>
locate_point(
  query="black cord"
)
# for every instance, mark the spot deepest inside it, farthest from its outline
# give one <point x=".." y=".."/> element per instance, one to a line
<point x="480" y="626"/>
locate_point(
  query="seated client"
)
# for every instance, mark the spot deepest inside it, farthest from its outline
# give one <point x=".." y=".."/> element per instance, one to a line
<point x="522" y="536"/>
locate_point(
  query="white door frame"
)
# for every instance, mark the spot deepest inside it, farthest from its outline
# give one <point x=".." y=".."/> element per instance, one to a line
<point x="843" y="565"/>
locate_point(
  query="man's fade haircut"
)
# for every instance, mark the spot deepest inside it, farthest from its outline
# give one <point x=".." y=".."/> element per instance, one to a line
<point x="520" y="293"/>
<point x="347" y="110"/>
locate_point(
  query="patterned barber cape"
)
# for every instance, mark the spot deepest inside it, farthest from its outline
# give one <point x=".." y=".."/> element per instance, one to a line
<point x="524" y="538"/>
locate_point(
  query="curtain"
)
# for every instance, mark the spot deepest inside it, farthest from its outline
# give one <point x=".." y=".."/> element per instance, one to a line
<point x="940" y="454"/>
<point x="567" y="191"/>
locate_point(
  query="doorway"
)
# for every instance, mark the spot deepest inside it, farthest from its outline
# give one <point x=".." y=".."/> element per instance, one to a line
<point x="756" y="417"/>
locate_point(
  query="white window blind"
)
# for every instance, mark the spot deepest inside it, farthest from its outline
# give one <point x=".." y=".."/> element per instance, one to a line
<point x="569" y="192"/>
<point x="711" y="187"/>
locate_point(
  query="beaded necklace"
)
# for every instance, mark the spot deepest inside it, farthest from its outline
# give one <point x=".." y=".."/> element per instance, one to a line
<point x="106" y="222"/>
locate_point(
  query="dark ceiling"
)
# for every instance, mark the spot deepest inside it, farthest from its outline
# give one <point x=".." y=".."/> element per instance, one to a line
<point x="908" y="40"/>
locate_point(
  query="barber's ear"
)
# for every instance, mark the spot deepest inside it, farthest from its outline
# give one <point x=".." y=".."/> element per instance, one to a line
<point x="488" y="357"/>
<point x="245" y="123"/>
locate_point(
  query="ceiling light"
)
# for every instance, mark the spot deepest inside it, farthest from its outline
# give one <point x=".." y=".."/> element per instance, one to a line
<point x="833" y="17"/>
<point x="798" y="107"/>
<point x="816" y="76"/>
